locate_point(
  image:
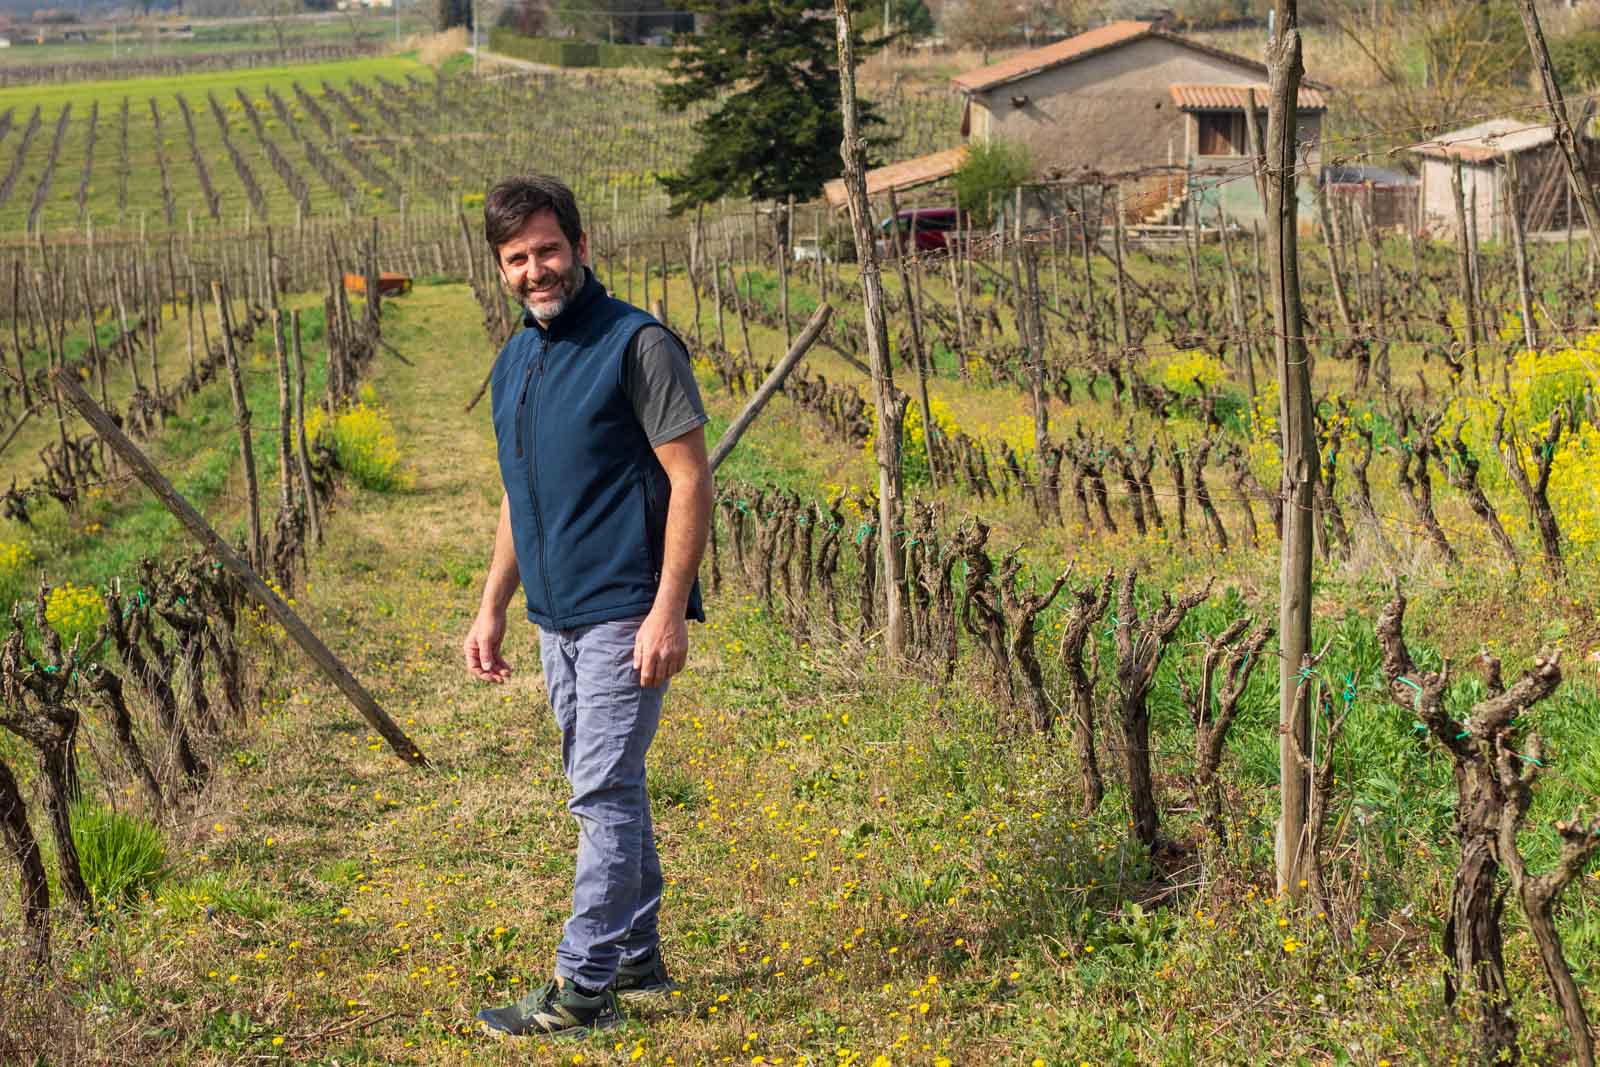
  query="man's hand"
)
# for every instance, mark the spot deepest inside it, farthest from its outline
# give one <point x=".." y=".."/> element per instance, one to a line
<point x="661" y="647"/>
<point x="482" y="647"/>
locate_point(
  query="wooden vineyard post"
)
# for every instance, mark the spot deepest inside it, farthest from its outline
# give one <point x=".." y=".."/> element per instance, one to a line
<point x="716" y="302"/>
<point x="1464" y="267"/>
<point x="1520" y="243"/>
<point x="1241" y="330"/>
<point x="302" y="453"/>
<point x="888" y="409"/>
<point x="1300" y="461"/>
<point x="666" y="264"/>
<point x="201" y="530"/>
<point x="285" y="472"/>
<point x="910" y="299"/>
<point x="783" y="271"/>
<point x="241" y="414"/>
<point x="774" y="382"/>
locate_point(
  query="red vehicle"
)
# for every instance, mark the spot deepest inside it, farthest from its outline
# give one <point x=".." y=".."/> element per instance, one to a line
<point x="923" y="229"/>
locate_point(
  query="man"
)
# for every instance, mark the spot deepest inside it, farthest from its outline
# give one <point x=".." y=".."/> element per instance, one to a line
<point x="601" y="441"/>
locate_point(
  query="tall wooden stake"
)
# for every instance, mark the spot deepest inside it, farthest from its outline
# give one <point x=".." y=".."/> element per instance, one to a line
<point x="888" y="409"/>
<point x="1469" y="304"/>
<point x="1299" y="444"/>
<point x="241" y="414"/>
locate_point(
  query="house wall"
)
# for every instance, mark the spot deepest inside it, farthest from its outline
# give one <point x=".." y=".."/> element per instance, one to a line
<point x="1109" y="112"/>
<point x="1228" y="182"/>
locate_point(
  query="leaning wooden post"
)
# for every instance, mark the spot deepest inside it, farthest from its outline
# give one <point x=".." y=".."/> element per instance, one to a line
<point x="201" y="530"/>
<point x="888" y="410"/>
<point x="774" y="382"/>
<point x="1299" y="445"/>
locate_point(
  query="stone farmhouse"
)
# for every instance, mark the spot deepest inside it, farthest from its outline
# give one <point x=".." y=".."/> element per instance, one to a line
<point x="1161" y="115"/>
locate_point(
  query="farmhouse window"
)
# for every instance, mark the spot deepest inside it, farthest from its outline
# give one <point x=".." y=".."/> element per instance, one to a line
<point x="1221" y="133"/>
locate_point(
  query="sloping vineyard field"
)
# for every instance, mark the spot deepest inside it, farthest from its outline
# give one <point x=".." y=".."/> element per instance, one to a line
<point x="345" y="139"/>
<point x="1044" y="837"/>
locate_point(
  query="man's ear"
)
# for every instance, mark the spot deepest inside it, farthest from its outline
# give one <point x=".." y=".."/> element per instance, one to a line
<point x="583" y="249"/>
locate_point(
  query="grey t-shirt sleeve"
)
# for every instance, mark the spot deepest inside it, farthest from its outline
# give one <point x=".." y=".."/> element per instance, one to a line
<point x="660" y="383"/>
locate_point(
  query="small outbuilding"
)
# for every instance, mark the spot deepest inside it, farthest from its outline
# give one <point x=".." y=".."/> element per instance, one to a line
<point x="1485" y="151"/>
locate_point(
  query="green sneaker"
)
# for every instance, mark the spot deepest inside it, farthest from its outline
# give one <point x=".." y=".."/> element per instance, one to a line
<point x="643" y="980"/>
<point x="553" y="1010"/>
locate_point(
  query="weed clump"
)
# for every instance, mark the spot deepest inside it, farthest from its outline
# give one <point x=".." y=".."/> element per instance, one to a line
<point x="120" y="855"/>
<point x="364" y="444"/>
<point x="74" y="611"/>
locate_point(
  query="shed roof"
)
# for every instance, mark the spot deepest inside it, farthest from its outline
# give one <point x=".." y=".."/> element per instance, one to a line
<point x="1086" y="44"/>
<point x="1488" y="141"/>
<point x="906" y="174"/>
<point x="1236" y="97"/>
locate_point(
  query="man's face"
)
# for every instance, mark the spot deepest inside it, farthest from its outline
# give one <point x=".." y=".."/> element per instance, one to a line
<point x="540" y="265"/>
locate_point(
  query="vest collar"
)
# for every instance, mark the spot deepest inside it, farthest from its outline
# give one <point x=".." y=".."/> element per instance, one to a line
<point x="587" y="294"/>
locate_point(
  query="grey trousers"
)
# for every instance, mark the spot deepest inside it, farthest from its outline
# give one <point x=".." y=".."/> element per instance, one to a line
<point x="607" y="722"/>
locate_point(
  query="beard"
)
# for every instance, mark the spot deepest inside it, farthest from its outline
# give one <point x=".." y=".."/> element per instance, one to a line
<point x="546" y="309"/>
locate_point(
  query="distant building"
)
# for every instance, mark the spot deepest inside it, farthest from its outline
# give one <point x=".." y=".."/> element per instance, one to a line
<point x="1134" y="98"/>
<point x="1543" y="199"/>
<point x="1386" y="197"/>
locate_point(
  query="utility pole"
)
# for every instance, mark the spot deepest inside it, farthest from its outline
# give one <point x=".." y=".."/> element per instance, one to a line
<point x="1300" y="461"/>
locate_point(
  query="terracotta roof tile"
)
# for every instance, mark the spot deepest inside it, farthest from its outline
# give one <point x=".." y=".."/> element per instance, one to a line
<point x="1236" y="98"/>
<point x="903" y="175"/>
<point x="1090" y="43"/>
<point x="1035" y="60"/>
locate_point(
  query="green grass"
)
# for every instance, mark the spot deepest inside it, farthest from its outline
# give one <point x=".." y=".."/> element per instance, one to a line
<point x="52" y="98"/>
<point x="121" y="855"/>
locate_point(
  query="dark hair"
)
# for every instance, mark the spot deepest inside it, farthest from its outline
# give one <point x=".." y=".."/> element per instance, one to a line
<point x="509" y="206"/>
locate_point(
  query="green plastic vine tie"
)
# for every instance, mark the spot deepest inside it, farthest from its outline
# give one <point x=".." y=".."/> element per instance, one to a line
<point x="861" y="534"/>
<point x="1536" y="763"/>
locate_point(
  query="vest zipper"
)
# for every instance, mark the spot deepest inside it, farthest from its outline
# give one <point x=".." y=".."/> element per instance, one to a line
<point x="533" y="489"/>
<point x="522" y="404"/>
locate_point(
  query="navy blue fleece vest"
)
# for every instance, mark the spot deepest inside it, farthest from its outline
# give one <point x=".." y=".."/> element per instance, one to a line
<point x="588" y="496"/>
